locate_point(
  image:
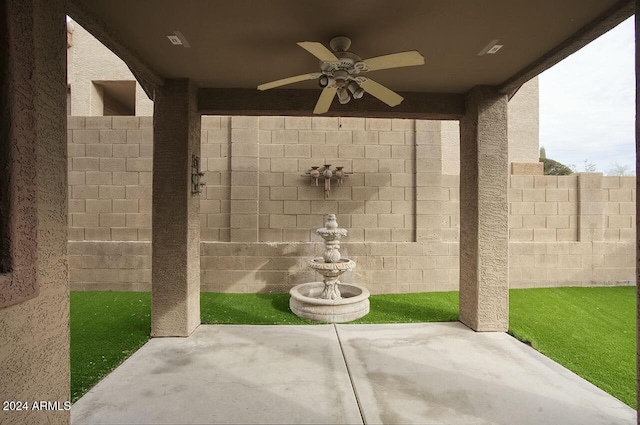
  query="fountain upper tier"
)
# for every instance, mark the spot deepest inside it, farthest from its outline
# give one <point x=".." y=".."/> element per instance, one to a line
<point x="331" y="234"/>
<point x="327" y="269"/>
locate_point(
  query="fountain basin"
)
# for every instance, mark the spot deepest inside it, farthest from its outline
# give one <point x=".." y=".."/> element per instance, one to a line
<point x="305" y="302"/>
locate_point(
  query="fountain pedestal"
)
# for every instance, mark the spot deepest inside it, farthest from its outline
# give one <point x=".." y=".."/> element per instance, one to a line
<point x="330" y="300"/>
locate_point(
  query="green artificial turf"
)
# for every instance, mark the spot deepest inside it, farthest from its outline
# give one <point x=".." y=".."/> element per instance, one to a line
<point x="106" y="328"/>
<point x="590" y="331"/>
<point x="273" y="309"/>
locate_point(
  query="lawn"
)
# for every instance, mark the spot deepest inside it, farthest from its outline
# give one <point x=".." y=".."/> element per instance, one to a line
<point x="273" y="309"/>
<point x="589" y="330"/>
<point x="106" y="328"/>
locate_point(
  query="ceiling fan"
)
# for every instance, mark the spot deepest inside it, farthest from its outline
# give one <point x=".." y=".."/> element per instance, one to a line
<point x="340" y="73"/>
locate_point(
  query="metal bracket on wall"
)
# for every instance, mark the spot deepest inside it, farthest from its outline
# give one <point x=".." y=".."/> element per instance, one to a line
<point x="316" y="173"/>
<point x="197" y="184"/>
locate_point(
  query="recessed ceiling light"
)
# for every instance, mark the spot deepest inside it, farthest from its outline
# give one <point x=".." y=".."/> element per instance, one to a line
<point x="174" y="40"/>
<point x="494" y="49"/>
<point x="178" y="39"/>
<point x="491" y="48"/>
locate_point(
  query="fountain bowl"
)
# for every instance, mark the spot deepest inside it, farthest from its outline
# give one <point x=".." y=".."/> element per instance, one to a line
<point x="331" y="234"/>
<point x="305" y="302"/>
<point x="343" y="265"/>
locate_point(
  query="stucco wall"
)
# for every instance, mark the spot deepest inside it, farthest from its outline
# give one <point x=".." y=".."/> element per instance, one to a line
<point x="34" y="353"/>
<point x="524" y="123"/>
<point x="523" y="131"/>
<point x="89" y="60"/>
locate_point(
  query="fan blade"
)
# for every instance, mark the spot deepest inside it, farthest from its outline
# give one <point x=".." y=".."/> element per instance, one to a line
<point x="325" y="100"/>
<point x="318" y="50"/>
<point x="395" y="60"/>
<point x="379" y="91"/>
<point x="290" y="80"/>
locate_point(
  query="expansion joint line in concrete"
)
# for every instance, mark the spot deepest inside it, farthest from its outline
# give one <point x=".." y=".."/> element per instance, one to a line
<point x="353" y="384"/>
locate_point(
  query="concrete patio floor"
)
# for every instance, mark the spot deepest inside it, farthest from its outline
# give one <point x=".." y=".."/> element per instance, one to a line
<point x="436" y="373"/>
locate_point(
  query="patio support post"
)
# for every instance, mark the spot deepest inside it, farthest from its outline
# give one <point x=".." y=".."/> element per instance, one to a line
<point x="484" y="212"/>
<point x="175" y="306"/>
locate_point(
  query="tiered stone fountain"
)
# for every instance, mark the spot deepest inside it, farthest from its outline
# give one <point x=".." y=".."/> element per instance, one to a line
<point x="330" y="300"/>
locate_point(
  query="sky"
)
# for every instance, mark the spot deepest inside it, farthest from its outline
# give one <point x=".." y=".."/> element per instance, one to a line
<point x="587" y="104"/>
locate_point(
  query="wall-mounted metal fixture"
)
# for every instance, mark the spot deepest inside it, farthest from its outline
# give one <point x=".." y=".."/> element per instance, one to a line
<point x="197" y="184"/>
<point x="317" y="173"/>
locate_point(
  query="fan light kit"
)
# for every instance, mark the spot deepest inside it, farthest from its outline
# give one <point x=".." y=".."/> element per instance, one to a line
<point x="340" y="73"/>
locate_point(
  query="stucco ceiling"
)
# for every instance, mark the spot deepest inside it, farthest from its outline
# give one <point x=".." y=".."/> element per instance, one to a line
<point x="243" y="43"/>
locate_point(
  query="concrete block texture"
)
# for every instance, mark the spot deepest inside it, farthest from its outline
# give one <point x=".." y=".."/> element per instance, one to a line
<point x="484" y="212"/>
<point x="377" y="203"/>
<point x="275" y="267"/>
<point x="176" y="222"/>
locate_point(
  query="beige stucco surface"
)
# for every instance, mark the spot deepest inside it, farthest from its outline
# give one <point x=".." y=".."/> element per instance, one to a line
<point x="176" y="226"/>
<point x="90" y="61"/>
<point x="523" y="131"/>
<point x="34" y="354"/>
<point x="524" y="123"/>
<point x="484" y="212"/>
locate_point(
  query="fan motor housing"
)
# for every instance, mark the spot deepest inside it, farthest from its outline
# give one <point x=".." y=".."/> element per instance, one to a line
<point x="349" y="62"/>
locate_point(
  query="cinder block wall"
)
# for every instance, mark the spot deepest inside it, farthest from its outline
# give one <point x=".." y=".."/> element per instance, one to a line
<point x="579" y="207"/>
<point x="377" y="203"/>
<point x="576" y="230"/>
<point x="258" y="211"/>
<point x="110" y="163"/>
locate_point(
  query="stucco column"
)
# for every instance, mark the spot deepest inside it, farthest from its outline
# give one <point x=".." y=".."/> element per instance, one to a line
<point x="484" y="212"/>
<point x="175" y="266"/>
<point x="34" y="284"/>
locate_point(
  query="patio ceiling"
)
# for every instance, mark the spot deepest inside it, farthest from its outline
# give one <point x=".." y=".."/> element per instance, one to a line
<point x="242" y="43"/>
